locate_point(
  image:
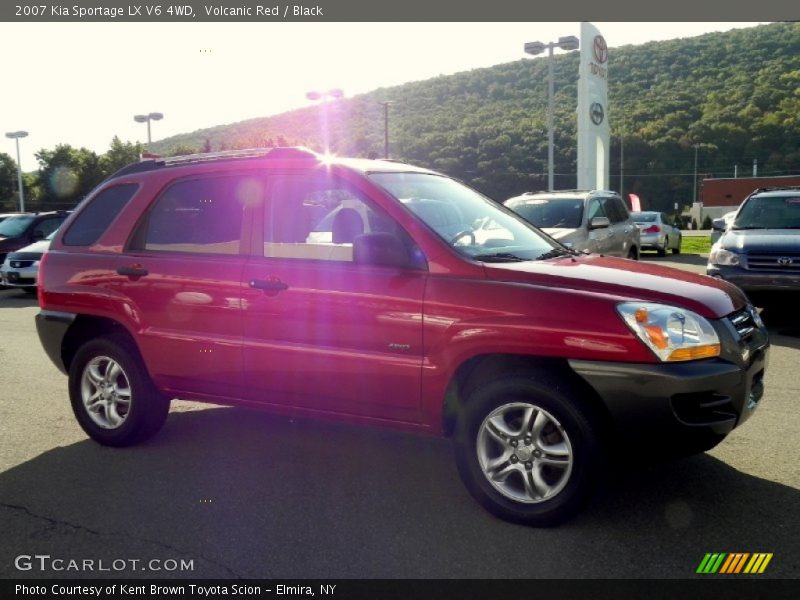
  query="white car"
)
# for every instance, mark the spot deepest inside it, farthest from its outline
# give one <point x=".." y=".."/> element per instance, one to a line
<point x="657" y="232"/>
<point x="20" y="268"/>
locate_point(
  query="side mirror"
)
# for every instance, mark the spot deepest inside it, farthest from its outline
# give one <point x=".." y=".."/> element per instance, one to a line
<point x="599" y="223"/>
<point x="37" y="235"/>
<point x="380" y="249"/>
<point x="718" y="224"/>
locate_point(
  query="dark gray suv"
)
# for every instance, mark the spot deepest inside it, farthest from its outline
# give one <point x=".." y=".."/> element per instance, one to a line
<point x="760" y="251"/>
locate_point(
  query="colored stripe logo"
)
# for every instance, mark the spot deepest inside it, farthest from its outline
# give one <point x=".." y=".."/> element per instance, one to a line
<point x="734" y="563"/>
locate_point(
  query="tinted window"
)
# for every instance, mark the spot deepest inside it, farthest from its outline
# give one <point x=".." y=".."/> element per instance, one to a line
<point x="594" y="209"/>
<point x="48" y="226"/>
<point x="550" y="212"/>
<point x="614" y="210"/>
<point x="201" y="215"/>
<point x="94" y="219"/>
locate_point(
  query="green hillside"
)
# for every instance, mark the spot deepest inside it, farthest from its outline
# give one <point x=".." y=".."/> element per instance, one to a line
<point x="736" y="94"/>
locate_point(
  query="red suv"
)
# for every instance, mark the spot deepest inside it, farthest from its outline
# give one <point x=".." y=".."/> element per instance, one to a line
<point x="380" y="293"/>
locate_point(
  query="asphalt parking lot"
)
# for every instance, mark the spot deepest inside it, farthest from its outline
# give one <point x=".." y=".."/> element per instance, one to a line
<point x="244" y="494"/>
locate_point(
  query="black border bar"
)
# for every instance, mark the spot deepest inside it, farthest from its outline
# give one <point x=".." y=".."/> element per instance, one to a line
<point x="405" y="11"/>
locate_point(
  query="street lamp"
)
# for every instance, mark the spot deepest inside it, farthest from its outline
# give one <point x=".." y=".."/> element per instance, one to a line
<point x="153" y="116"/>
<point x="15" y="135"/>
<point x="333" y="94"/>
<point x="569" y="42"/>
<point x="694" y="188"/>
<point x="386" y="104"/>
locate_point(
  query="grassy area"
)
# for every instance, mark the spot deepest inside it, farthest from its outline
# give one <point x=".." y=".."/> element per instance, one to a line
<point x="695" y="245"/>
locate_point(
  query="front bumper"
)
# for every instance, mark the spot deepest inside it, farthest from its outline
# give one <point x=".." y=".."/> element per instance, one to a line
<point x="675" y="408"/>
<point x="752" y="280"/>
<point x="22" y="277"/>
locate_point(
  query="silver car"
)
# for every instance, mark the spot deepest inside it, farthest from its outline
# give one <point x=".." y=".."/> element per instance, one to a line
<point x="590" y="221"/>
<point x="20" y="269"/>
<point x="657" y="232"/>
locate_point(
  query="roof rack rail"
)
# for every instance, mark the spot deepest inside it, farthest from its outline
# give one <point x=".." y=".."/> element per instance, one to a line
<point x="776" y="188"/>
<point x="298" y="152"/>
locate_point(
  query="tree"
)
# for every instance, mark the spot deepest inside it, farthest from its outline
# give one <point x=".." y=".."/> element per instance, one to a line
<point x="119" y="155"/>
<point x="66" y="175"/>
<point x="9" y="196"/>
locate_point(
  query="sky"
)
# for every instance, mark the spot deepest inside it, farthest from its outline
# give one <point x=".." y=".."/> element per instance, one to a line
<point x="82" y="83"/>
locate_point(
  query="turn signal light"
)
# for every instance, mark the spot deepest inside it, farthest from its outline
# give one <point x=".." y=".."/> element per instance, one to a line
<point x="695" y="353"/>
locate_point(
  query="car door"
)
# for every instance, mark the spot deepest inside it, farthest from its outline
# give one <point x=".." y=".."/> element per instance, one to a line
<point x="322" y="331"/>
<point x="181" y="278"/>
<point x="599" y="240"/>
<point x="621" y="228"/>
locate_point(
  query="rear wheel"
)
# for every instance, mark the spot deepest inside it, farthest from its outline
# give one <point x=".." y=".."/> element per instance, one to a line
<point x="677" y="248"/>
<point x="526" y="451"/>
<point x="662" y="251"/>
<point x="633" y="253"/>
<point x="111" y="393"/>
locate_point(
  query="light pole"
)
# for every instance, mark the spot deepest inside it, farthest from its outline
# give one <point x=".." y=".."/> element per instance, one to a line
<point x="386" y="104"/>
<point x="15" y="135"/>
<point x="569" y="42"/>
<point x="694" y="188"/>
<point x="333" y="94"/>
<point x="153" y="116"/>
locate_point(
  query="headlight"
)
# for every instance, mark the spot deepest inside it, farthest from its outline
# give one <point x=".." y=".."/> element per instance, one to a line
<point x="720" y="256"/>
<point x="672" y="333"/>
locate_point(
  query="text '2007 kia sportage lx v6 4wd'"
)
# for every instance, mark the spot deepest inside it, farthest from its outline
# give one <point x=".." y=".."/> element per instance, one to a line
<point x="226" y="279"/>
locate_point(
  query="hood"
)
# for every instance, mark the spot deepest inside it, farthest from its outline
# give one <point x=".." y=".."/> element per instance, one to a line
<point x="761" y="240"/>
<point x="627" y="280"/>
<point x="40" y="246"/>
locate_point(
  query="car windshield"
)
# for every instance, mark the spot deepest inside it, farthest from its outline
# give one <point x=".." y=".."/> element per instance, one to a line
<point x="644" y="217"/>
<point x="552" y="213"/>
<point x="769" y="212"/>
<point x="14" y="226"/>
<point x="474" y="225"/>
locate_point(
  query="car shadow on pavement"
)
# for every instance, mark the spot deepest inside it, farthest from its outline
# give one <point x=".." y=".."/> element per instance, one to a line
<point x="10" y="298"/>
<point x="683" y="259"/>
<point x="243" y="493"/>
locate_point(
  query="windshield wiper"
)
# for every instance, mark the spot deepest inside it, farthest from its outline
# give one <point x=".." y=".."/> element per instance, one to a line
<point x="498" y="257"/>
<point x="555" y="253"/>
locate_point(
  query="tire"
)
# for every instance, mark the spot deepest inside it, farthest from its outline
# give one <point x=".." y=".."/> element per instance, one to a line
<point x="633" y="253"/>
<point x="662" y="251"/>
<point x="677" y="249"/>
<point x="129" y="409"/>
<point x="567" y="436"/>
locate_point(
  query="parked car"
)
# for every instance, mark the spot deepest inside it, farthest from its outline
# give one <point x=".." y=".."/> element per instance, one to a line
<point x="718" y="226"/>
<point x="587" y="221"/>
<point x="657" y="232"/>
<point x="18" y="231"/>
<point x="197" y="278"/>
<point x="760" y="251"/>
<point x="4" y="216"/>
<point x="20" y="268"/>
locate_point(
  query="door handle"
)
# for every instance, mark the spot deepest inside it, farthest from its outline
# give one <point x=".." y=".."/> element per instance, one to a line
<point x="132" y="271"/>
<point x="268" y="285"/>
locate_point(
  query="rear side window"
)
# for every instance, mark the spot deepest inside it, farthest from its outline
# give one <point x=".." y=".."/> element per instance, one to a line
<point x="615" y="210"/>
<point x="95" y="218"/>
<point x="201" y="216"/>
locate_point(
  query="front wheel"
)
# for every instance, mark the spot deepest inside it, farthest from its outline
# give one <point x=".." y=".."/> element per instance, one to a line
<point x="112" y="395"/>
<point x="526" y="451"/>
<point x="677" y="248"/>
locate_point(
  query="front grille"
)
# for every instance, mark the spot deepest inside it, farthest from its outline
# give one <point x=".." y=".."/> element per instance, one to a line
<point x="774" y="261"/>
<point x="20" y="264"/>
<point x="744" y="323"/>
